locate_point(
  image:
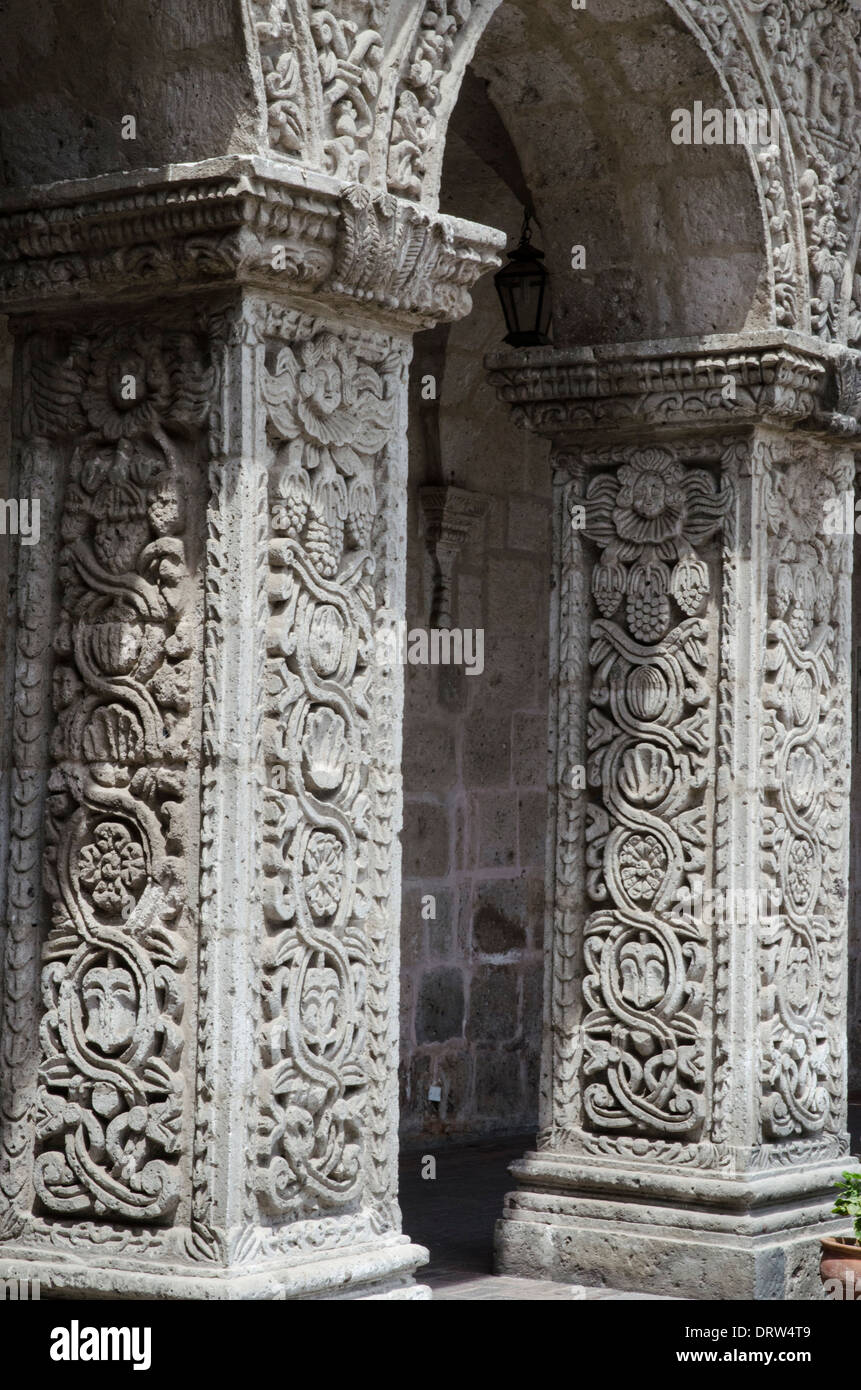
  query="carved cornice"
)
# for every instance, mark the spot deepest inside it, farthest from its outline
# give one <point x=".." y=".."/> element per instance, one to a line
<point x="363" y="90"/>
<point x="244" y="221"/>
<point x="702" y="384"/>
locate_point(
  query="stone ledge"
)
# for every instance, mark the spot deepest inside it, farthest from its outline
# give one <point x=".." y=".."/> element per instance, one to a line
<point x="717" y="382"/>
<point x="228" y="221"/>
<point x="382" y="1272"/>
<point x="729" y="1191"/>
<point x="662" y="1258"/>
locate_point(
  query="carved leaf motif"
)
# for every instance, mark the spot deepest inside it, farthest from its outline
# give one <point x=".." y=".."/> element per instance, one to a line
<point x="115" y="816"/>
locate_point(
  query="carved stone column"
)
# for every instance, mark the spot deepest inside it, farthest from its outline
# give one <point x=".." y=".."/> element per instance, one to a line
<point x="198" y="1036"/>
<point x="694" y="1081"/>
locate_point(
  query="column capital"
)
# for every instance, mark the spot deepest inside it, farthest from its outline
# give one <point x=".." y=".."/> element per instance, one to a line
<point x="715" y="383"/>
<point x="248" y="221"/>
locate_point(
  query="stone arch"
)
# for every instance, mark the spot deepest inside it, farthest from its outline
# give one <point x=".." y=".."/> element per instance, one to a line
<point x="260" y="369"/>
<point x="674" y="237"/>
<point x="364" y="90"/>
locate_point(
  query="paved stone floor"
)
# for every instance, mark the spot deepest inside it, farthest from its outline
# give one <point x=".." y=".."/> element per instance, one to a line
<point x="453" y="1216"/>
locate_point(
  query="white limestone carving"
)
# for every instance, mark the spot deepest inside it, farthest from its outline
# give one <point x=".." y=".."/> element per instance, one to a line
<point x="206" y="1091"/>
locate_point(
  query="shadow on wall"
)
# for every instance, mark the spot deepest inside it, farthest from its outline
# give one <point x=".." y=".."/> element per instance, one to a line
<point x="475" y="746"/>
<point x="673" y="236"/>
<point x="570" y="112"/>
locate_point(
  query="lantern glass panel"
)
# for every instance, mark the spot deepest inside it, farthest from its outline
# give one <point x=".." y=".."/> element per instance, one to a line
<point x="524" y="290"/>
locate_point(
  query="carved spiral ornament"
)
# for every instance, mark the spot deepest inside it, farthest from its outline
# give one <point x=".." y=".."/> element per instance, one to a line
<point x="644" y="1059"/>
<point x="330" y="415"/>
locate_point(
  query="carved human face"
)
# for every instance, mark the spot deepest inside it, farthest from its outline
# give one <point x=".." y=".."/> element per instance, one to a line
<point x="649" y="495"/>
<point x="126" y="380"/>
<point x="651" y="502"/>
<point x="327" y="393"/>
<point x="319" y="1008"/>
<point x="110" y="1002"/>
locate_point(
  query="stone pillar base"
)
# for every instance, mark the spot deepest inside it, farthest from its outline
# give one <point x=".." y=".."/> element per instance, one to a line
<point x="377" y="1272"/>
<point x="754" y="1237"/>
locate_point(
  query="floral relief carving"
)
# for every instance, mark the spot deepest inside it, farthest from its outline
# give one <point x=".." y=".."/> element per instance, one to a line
<point x="646" y="986"/>
<point x="122" y="405"/>
<point x="321" y="61"/>
<point x="652" y="513"/>
<point x="805" y="770"/>
<point x="809" y="50"/>
<point x="415" y="126"/>
<point x="330" y="409"/>
<point x="112" y="867"/>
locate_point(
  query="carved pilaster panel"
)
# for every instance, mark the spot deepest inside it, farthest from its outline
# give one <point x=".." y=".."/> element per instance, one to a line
<point x="805" y="752"/>
<point x="643" y="1066"/>
<point x="331" y="802"/>
<point x="113" y="416"/>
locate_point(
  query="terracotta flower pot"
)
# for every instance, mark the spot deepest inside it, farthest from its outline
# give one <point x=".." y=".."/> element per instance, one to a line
<point x="841" y="1262"/>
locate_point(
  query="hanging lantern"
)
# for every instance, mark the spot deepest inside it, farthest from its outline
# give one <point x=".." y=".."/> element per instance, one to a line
<point x="523" y="287"/>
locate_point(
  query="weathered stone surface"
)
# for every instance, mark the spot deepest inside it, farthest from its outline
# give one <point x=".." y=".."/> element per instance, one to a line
<point x="719" y="591"/>
<point x="493" y="1004"/>
<point x="439" y="1014"/>
<point x="499" y="916"/>
<point x="204" y="745"/>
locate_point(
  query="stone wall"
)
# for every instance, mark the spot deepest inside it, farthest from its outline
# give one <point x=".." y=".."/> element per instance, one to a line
<point x="475" y="749"/>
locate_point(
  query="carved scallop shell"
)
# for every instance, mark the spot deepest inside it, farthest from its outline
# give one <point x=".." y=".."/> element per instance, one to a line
<point x="646" y="774"/>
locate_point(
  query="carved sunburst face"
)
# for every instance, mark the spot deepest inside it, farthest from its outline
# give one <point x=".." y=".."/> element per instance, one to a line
<point x="651" y="505"/>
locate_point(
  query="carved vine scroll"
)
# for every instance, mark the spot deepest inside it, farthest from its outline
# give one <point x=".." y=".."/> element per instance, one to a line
<point x="645" y="1067"/>
<point x="122" y="406"/>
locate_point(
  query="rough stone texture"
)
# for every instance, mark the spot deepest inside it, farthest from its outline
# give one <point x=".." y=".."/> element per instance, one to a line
<point x="186" y="77"/>
<point x="664" y="256"/>
<point x="718" y="591"/>
<point x="475" y="766"/>
<point x="854" y="1008"/>
<point x="200" y="944"/>
<point x="201" y="862"/>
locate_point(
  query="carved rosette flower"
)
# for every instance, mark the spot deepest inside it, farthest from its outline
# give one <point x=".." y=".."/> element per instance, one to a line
<point x="112" y="867"/>
<point x="653" y="513"/>
<point x="128" y="388"/>
<point x="642" y="865"/>
<point x="324" y="871"/>
<point x="140" y="380"/>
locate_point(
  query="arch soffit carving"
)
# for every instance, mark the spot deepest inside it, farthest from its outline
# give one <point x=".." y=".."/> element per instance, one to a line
<point x="363" y="89"/>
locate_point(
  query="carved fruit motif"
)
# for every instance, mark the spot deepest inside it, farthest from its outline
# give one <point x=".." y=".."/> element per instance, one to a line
<point x="326" y="639"/>
<point x="114" y="641"/>
<point x="647" y="693"/>
<point x="325" y="748"/>
<point x="118" y="544"/>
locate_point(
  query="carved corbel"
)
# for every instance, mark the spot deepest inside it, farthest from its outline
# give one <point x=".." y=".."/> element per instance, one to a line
<point x="450" y="515"/>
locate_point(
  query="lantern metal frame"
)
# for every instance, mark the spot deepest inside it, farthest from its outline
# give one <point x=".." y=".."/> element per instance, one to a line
<point x="525" y="270"/>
